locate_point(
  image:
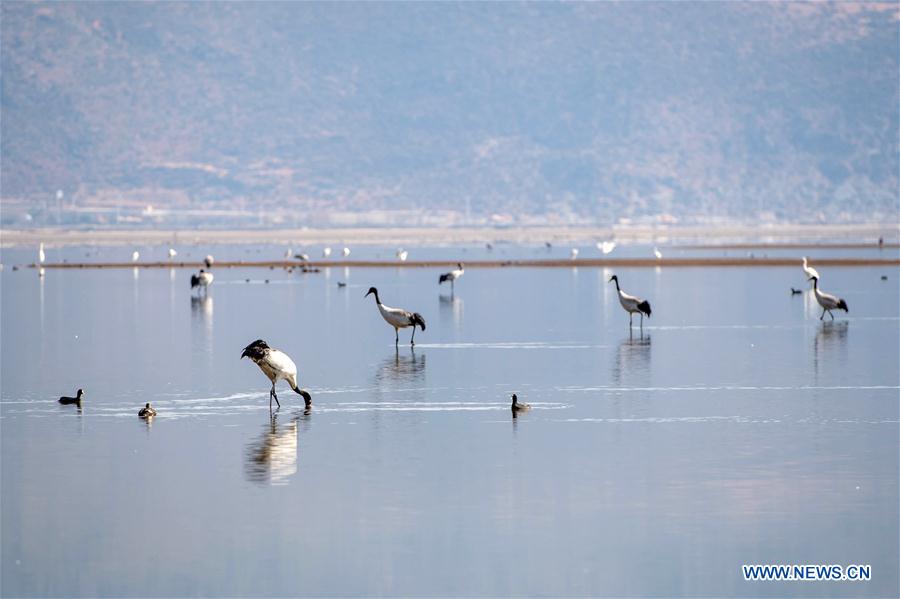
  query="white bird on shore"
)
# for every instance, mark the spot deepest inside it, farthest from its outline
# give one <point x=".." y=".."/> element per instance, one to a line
<point x="574" y="254"/>
<point x="808" y="270"/>
<point x="209" y="261"/>
<point x="402" y="254"/>
<point x="345" y="252"/>
<point x="326" y="252"/>
<point x="289" y="253"/>
<point x="452" y="275"/>
<point x="202" y="280"/>
<point x="631" y="304"/>
<point x="135" y="255"/>
<point x="657" y="253"/>
<point x="276" y="365"/>
<point x="398" y="318"/>
<point x="606" y="246"/>
<point x="172" y="253"/>
<point x="827" y="301"/>
<point x="41" y="255"/>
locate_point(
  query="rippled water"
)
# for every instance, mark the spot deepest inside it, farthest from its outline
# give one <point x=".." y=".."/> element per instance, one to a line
<point x="734" y="428"/>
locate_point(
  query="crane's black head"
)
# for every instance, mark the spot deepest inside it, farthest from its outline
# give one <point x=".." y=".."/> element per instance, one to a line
<point x="459" y="265"/>
<point x="371" y="291"/>
<point x="255" y="349"/>
<point x="813" y="278"/>
<point x="613" y="278"/>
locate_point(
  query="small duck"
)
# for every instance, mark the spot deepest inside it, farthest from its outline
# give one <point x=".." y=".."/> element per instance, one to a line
<point x="796" y="291"/>
<point x="72" y="400"/>
<point x="518" y="407"/>
<point x="147" y="411"/>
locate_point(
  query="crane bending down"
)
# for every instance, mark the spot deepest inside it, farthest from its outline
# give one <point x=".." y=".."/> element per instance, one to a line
<point x="398" y="318"/>
<point x="827" y="301"/>
<point x="632" y="304"/>
<point x="809" y="271"/>
<point x="452" y="275"/>
<point x="276" y="365"/>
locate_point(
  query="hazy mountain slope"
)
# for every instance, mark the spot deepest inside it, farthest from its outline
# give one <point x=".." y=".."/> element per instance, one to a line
<point x="599" y="110"/>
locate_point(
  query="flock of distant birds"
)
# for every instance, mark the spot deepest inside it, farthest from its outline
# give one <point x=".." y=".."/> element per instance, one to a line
<point x="278" y="366"/>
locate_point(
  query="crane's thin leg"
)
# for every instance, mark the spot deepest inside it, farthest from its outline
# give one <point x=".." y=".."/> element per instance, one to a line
<point x="396" y="336"/>
<point x="822" y="317"/>
<point x="275" y="395"/>
<point x="630" y="319"/>
<point x="412" y="340"/>
<point x="831" y="314"/>
<point x="642" y="321"/>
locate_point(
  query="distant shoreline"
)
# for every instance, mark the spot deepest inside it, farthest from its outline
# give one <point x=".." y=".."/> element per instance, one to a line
<point x="725" y="236"/>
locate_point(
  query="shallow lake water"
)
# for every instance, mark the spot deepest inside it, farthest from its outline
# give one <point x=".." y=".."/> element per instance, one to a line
<point x="734" y="428"/>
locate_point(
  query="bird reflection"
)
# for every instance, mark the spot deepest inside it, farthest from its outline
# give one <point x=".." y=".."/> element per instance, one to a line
<point x="632" y="359"/>
<point x="830" y="337"/>
<point x="202" y="307"/>
<point x="451" y="308"/>
<point x="272" y="458"/>
<point x="400" y="369"/>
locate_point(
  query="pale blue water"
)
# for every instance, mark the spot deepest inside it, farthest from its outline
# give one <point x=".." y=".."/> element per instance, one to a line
<point x="737" y="428"/>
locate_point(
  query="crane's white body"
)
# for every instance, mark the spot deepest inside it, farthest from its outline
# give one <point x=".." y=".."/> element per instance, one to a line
<point x="209" y="261"/>
<point x="657" y="253"/>
<point x="326" y="252"/>
<point x="172" y="253"/>
<point x="606" y="246"/>
<point x="41" y="255"/>
<point x="402" y="255"/>
<point x="202" y="280"/>
<point x="574" y="253"/>
<point x="345" y="252"/>
<point x="809" y="271"/>
<point x="135" y="255"/>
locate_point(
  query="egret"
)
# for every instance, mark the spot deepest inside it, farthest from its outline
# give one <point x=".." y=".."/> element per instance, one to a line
<point x="606" y="246"/>
<point x="41" y="255"/>
<point x="172" y="253"/>
<point x="276" y="365"/>
<point x="326" y="252"/>
<point x="202" y="280"/>
<point x="809" y="271"/>
<point x="631" y="304"/>
<point x="209" y="261"/>
<point x="72" y="400"/>
<point x="135" y="255"/>
<point x="398" y="318"/>
<point x="574" y="254"/>
<point x="402" y="254"/>
<point x="657" y="253"/>
<point x="147" y="411"/>
<point x="452" y="275"/>
<point x="827" y="301"/>
<point x="518" y="407"/>
<point x="345" y="252"/>
<point x="288" y="253"/>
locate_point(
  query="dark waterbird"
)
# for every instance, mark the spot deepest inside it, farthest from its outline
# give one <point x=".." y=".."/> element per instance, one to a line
<point x="147" y="411"/>
<point x="518" y="407"/>
<point x="72" y="400"/>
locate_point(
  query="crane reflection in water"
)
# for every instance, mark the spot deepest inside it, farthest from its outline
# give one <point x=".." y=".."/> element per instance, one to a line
<point x="272" y="458"/>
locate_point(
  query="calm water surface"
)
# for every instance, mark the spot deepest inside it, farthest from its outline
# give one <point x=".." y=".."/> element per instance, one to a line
<point x="736" y="428"/>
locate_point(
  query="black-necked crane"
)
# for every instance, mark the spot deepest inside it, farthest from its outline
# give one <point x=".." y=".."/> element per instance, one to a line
<point x="827" y="301"/>
<point x="809" y="271"/>
<point x="277" y="366"/>
<point x="147" y="411"/>
<point x="72" y="400"/>
<point x="202" y="280"/>
<point x="452" y="275"/>
<point x="209" y="261"/>
<point x="631" y="304"/>
<point x="517" y="406"/>
<point x="398" y="318"/>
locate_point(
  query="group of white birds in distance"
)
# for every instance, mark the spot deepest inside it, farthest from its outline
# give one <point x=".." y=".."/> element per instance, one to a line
<point x="278" y="366"/>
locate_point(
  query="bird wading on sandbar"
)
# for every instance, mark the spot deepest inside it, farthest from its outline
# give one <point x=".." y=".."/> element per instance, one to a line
<point x="631" y="304"/>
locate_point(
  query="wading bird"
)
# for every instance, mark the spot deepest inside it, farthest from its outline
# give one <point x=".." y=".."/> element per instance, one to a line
<point x="276" y="365"/>
<point x="827" y="301"/>
<point x="345" y="252"/>
<point x="147" y="411"/>
<point x="172" y="253"/>
<point x="809" y="271"/>
<point x="631" y="304"/>
<point x="135" y="255"/>
<point x="452" y="275"/>
<point x="657" y="253"/>
<point x="574" y="254"/>
<point x="518" y="407"/>
<point x="398" y="318"/>
<point x="41" y="255"/>
<point x="402" y="254"/>
<point x="202" y="280"/>
<point x="606" y="246"/>
<point x="326" y="252"/>
<point x="209" y="261"/>
<point x="72" y="400"/>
